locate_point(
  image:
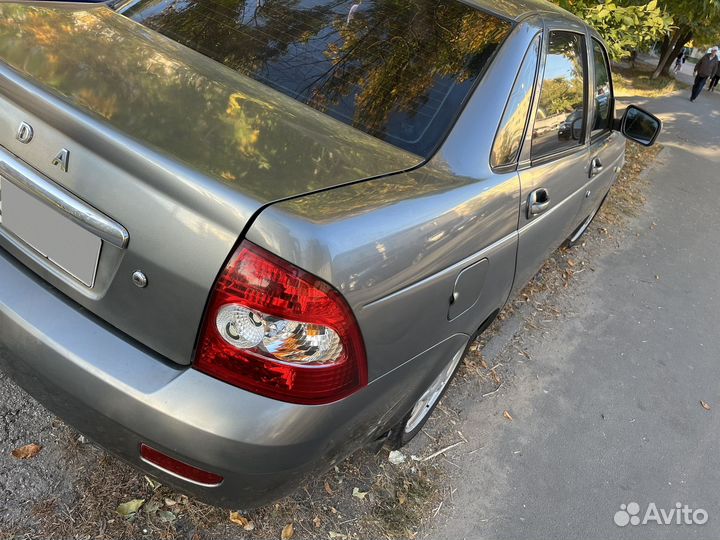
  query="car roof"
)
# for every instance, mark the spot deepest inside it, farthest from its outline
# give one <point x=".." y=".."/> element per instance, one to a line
<point x="517" y="10"/>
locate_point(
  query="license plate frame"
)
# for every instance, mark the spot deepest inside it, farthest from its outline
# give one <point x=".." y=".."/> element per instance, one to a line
<point x="49" y="233"/>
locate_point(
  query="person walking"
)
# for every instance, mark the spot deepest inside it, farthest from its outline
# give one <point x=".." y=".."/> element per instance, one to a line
<point x="705" y="68"/>
<point x="715" y="79"/>
<point x="678" y="62"/>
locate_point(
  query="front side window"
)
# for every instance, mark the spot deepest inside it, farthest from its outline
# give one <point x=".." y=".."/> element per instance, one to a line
<point x="560" y="119"/>
<point x="603" y="91"/>
<point x="512" y="126"/>
<point x="399" y="70"/>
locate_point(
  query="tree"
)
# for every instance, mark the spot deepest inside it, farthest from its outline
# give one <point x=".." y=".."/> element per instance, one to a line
<point x="698" y="20"/>
<point x="626" y="25"/>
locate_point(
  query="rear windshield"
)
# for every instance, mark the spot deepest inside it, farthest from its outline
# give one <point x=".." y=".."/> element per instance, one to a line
<point x="397" y="69"/>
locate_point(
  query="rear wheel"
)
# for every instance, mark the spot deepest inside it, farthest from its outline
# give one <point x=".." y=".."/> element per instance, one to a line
<point x="414" y="421"/>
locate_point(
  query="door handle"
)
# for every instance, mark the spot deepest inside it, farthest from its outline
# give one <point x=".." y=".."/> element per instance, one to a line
<point x="538" y="202"/>
<point x="596" y="167"/>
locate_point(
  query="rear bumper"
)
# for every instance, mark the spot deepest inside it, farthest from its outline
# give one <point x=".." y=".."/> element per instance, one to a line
<point x="120" y="395"/>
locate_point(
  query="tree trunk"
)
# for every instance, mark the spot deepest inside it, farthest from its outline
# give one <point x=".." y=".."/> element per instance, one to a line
<point x="676" y="35"/>
<point x="664" y="44"/>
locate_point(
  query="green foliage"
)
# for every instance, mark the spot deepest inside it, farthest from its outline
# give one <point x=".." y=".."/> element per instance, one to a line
<point x="699" y="18"/>
<point x="625" y="26"/>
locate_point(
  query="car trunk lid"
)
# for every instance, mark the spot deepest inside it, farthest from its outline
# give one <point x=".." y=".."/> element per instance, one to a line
<point x="177" y="149"/>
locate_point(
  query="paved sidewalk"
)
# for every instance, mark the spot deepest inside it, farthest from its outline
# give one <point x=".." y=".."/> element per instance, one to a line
<point x="607" y="411"/>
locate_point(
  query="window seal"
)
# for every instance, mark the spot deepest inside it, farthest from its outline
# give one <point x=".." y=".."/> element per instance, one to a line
<point x="512" y="166"/>
<point x="604" y="133"/>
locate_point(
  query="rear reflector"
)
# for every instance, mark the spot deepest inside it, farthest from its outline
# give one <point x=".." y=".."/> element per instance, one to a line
<point x="178" y="468"/>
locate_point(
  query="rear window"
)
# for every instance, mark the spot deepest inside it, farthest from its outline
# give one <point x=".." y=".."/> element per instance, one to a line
<point x="397" y="69"/>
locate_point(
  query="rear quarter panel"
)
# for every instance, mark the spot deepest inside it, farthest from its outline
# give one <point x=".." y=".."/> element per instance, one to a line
<point x="394" y="246"/>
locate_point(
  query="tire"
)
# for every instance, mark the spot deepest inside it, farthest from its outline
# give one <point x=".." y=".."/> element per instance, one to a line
<point x="415" y="419"/>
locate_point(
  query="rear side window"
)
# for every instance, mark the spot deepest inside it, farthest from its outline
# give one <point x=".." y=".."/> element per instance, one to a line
<point x="397" y="69"/>
<point x="603" y="90"/>
<point x="560" y="119"/>
<point x="512" y="126"/>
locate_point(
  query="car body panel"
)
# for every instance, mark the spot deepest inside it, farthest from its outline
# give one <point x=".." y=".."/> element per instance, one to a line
<point x="190" y="108"/>
<point x="121" y="395"/>
<point x="395" y="246"/>
<point x="574" y="194"/>
<point x="183" y="163"/>
<point x="540" y="235"/>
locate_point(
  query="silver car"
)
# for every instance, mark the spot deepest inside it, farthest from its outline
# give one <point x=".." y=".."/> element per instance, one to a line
<point x="240" y="240"/>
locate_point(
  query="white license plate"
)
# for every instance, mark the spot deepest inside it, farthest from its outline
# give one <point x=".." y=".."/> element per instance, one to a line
<point x="53" y="235"/>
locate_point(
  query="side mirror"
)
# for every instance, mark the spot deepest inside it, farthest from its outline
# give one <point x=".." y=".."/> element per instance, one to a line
<point x="576" y="129"/>
<point x="640" y="126"/>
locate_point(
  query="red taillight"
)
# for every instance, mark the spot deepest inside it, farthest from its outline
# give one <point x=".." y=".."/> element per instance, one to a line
<point x="179" y="468"/>
<point x="273" y="329"/>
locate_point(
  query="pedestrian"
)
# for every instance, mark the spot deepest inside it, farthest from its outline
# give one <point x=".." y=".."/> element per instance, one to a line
<point x="706" y="67"/>
<point x="714" y="80"/>
<point x="678" y="62"/>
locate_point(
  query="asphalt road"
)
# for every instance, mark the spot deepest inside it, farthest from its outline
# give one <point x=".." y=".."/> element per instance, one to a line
<point x="608" y="410"/>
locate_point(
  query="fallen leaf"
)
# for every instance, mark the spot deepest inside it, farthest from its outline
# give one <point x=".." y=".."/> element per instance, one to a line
<point x="130" y="507"/>
<point x="317" y="522"/>
<point x="154" y="484"/>
<point x="507" y="415"/>
<point x="237" y="519"/>
<point x="359" y="494"/>
<point x="332" y="535"/>
<point x="571" y="262"/>
<point x="396" y="457"/>
<point x="402" y="498"/>
<point x="328" y="489"/>
<point x="170" y="502"/>
<point x="705" y="405"/>
<point x="250" y="525"/>
<point x="26" y="452"/>
<point x="287" y="532"/>
<point x="152" y="507"/>
<point x="166" y="516"/>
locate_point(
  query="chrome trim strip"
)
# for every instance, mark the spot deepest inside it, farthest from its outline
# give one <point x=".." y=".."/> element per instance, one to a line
<point x="62" y="200"/>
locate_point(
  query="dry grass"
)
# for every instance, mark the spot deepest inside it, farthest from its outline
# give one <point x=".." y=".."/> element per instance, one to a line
<point x="637" y="82"/>
<point x="396" y="502"/>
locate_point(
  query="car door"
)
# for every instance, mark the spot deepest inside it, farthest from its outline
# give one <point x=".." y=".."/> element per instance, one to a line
<point x="555" y="152"/>
<point x="607" y="147"/>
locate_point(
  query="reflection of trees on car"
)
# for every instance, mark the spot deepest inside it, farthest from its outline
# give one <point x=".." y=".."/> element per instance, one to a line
<point x="561" y="95"/>
<point x="385" y="66"/>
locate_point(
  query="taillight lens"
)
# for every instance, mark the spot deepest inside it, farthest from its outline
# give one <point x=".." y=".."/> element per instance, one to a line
<point x="273" y="329"/>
